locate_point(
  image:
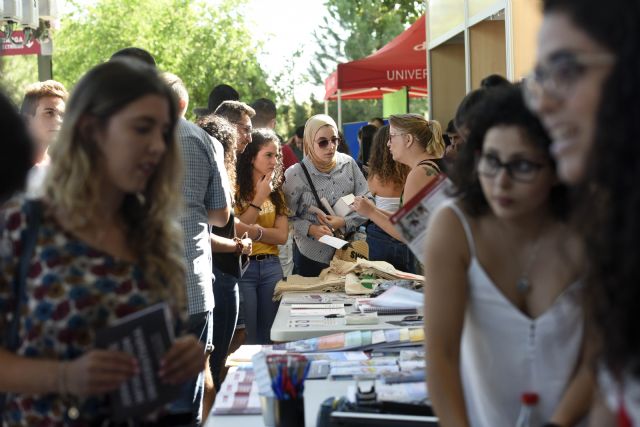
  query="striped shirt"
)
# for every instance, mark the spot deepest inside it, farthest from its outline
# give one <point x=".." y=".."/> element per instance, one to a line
<point x="203" y="190"/>
<point x="343" y="180"/>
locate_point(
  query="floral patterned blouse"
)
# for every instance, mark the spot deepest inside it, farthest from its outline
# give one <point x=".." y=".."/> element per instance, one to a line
<point x="74" y="290"/>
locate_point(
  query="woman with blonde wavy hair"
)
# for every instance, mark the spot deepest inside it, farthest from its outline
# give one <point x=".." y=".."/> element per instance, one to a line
<point x="108" y="244"/>
<point x="417" y="143"/>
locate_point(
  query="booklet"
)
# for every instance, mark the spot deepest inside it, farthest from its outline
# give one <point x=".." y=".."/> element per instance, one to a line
<point x="413" y="217"/>
<point x="147" y="335"/>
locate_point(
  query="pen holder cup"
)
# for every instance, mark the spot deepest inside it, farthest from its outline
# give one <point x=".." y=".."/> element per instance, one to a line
<point x="290" y="413"/>
<point x="268" y="405"/>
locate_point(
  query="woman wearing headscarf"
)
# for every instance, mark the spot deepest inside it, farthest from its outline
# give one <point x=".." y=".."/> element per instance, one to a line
<point x="333" y="175"/>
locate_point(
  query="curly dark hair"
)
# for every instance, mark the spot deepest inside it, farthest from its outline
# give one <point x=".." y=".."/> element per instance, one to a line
<point x="501" y="106"/>
<point x="610" y="200"/>
<point x="244" y="171"/>
<point x="222" y="130"/>
<point x="381" y="163"/>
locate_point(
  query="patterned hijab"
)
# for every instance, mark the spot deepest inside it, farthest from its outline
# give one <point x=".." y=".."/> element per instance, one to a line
<point x="311" y="128"/>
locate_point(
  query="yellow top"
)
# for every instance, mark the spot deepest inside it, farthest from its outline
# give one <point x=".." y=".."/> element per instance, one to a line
<point x="266" y="219"/>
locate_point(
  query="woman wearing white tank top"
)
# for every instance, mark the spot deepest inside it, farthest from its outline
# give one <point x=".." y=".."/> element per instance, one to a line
<point x="503" y="296"/>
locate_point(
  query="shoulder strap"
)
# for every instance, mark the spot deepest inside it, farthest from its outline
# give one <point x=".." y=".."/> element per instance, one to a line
<point x="429" y="162"/>
<point x="467" y="228"/>
<point x="313" y="188"/>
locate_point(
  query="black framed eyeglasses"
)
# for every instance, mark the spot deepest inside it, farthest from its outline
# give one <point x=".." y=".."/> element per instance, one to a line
<point x="558" y="76"/>
<point x="324" y="143"/>
<point x="521" y="170"/>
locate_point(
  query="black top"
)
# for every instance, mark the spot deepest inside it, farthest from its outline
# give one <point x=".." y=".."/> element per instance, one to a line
<point x="227" y="262"/>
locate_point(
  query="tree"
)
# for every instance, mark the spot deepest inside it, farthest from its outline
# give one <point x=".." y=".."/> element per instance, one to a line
<point x="355" y="29"/>
<point x="203" y="44"/>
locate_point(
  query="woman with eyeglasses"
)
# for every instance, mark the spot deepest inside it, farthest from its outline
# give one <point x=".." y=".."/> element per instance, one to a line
<point x="503" y="313"/>
<point x="585" y="89"/>
<point x="417" y="143"/>
<point x="262" y="211"/>
<point x="333" y="175"/>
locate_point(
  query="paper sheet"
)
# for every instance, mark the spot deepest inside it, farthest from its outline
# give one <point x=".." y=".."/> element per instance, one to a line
<point x="334" y="242"/>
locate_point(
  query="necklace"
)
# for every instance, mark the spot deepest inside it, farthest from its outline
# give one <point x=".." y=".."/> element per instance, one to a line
<point x="523" y="285"/>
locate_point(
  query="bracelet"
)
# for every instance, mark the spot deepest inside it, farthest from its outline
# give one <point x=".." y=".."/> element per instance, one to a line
<point x="255" y="206"/>
<point x="260" y="231"/>
<point x="62" y="378"/>
<point x="239" y="245"/>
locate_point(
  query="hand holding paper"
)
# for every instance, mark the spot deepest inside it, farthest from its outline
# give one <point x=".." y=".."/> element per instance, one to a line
<point x="363" y="206"/>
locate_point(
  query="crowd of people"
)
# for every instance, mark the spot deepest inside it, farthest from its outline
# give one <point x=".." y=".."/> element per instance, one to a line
<point x="112" y="201"/>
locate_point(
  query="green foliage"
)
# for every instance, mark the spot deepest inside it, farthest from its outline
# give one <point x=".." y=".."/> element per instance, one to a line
<point x="356" y="29"/>
<point x="202" y="43"/>
<point x="17" y="73"/>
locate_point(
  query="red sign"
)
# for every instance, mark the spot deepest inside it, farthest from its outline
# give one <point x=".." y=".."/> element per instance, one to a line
<point x="16" y="46"/>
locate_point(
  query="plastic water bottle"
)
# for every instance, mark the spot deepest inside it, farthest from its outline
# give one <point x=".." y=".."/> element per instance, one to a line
<point x="361" y="234"/>
<point x="527" y="416"/>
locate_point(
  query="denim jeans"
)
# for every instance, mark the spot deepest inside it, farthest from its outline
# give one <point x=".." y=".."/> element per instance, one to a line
<point x="383" y="247"/>
<point x="200" y="325"/>
<point x="306" y="266"/>
<point x="257" y="286"/>
<point x="225" y="316"/>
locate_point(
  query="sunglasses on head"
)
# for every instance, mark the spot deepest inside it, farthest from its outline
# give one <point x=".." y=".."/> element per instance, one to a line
<point x="324" y="143"/>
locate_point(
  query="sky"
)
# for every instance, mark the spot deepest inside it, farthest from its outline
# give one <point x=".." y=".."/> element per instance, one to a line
<point x="287" y="25"/>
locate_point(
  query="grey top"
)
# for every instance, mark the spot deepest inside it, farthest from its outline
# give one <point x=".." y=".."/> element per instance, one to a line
<point x="342" y="180"/>
<point x="203" y="190"/>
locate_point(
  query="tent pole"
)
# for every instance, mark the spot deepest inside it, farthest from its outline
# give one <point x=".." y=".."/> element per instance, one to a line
<point x="326" y="107"/>
<point x="339" y="109"/>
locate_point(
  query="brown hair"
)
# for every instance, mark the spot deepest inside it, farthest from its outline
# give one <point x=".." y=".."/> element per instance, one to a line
<point x="222" y="130"/>
<point x="381" y="163"/>
<point x="39" y="90"/>
<point x="233" y="110"/>
<point x="427" y="133"/>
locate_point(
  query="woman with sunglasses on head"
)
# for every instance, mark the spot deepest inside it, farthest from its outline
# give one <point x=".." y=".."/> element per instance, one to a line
<point x="503" y="313"/>
<point x="108" y="245"/>
<point x="414" y="142"/>
<point x="262" y="211"/>
<point x="585" y="89"/>
<point x="333" y="176"/>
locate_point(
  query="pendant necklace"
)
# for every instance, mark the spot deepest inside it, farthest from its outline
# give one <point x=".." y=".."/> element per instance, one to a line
<point x="523" y="285"/>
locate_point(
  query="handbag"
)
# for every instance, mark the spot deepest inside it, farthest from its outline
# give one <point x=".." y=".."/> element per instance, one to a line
<point x="33" y="210"/>
<point x="354" y="249"/>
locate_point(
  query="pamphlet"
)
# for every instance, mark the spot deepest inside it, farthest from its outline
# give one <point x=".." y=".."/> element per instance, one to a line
<point x="343" y="205"/>
<point x="334" y="242"/>
<point x="146" y="335"/>
<point x="412" y="218"/>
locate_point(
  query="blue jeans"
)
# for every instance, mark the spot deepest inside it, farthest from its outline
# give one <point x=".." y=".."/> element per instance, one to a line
<point x="306" y="266"/>
<point x="200" y="325"/>
<point x="225" y="316"/>
<point x="383" y="247"/>
<point x="257" y="286"/>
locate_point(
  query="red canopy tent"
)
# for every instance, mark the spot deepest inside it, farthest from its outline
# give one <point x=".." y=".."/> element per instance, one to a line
<point x="401" y="62"/>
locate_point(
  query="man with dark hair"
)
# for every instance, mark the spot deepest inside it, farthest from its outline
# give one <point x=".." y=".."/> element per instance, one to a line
<point x="137" y="53"/>
<point x="43" y="110"/>
<point x="217" y="96"/>
<point x="240" y="114"/>
<point x="378" y="122"/>
<point x="265" y="113"/>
